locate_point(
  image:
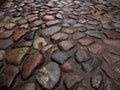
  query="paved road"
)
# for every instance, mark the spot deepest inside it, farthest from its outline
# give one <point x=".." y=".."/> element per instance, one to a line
<point x="59" y="45"/>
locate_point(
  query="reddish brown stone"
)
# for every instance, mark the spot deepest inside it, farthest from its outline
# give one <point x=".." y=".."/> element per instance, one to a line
<point x="18" y="34"/>
<point x="114" y="50"/>
<point x="111" y="58"/>
<point x="67" y="67"/>
<point x="69" y="30"/>
<point x="31" y="63"/>
<point x="112" y="34"/>
<point x="72" y="79"/>
<point x="6" y="34"/>
<point x="111" y="42"/>
<point x="48" y="17"/>
<point x="96" y="48"/>
<point x="9" y="26"/>
<point x="7" y="76"/>
<point x="86" y="41"/>
<point x="67" y="45"/>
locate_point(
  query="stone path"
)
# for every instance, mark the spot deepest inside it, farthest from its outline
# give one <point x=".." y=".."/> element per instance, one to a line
<point x="60" y="45"/>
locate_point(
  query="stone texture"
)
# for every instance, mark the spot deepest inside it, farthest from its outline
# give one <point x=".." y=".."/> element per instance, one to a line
<point x="18" y="34"/>
<point x="9" y="25"/>
<point x="39" y="42"/>
<point x="6" y="34"/>
<point x="2" y="54"/>
<point x="7" y="76"/>
<point x="96" y="48"/>
<point x="25" y="86"/>
<point x="48" y="17"/>
<point x="30" y="64"/>
<point x="78" y="35"/>
<point x="49" y="75"/>
<point x="82" y="88"/>
<point x="112" y="34"/>
<point x="72" y="79"/>
<point x="82" y="55"/>
<point x="59" y="37"/>
<point x="86" y="41"/>
<point x="5" y="43"/>
<point x="60" y="57"/>
<point x="50" y="31"/>
<point x="16" y="55"/>
<point x="53" y="22"/>
<point x="37" y="23"/>
<point x="111" y="58"/>
<point x="67" y="45"/>
<point x="69" y="30"/>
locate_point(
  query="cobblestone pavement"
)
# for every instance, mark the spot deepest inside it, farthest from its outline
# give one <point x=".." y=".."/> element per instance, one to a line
<point x="60" y="45"/>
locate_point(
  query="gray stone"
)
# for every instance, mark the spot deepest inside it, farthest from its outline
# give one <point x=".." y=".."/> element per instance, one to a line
<point x="59" y="16"/>
<point x="60" y="57"/>
<point x="53" y="22"/>
<point x="5" y="43"/>
<point x="97" y="34"/>
<point x="49" y="75"/>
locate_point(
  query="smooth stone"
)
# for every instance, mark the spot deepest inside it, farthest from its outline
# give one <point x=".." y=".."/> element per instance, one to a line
<point x="52" y="22"/>
<point x="59" y="16"/>
<point x="9" y="25"/>
<point x="6" y="34"/>
<point x="5" y="43"/>
<point x="78" y="35"/>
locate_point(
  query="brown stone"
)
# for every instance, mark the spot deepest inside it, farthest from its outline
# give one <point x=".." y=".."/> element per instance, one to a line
<point x="69" y="30"/>
<point x="111" y="42"/>
<point x="111" y="58"/>
<point x="6" y="34"/>
<point x="18" y="34"/>
<point x="82" y="88"/>
<point x="67" y="67"/>
<point x="2" y="54"/>
<point x="7" y="76"/>
<point x="5" y="43"/>
<point x="96" y="48"/>
<point x="16" y="55"/>
<point x="67" y="45"/>
<point x="86" y="41"/>
<point x="78" y="35"/>
<point x="112" y="34"/>
<point x="9" y="26"/>
<point x="48" y="17"/>
<point x="30" y="64"/>
<point x="72" y="79"/>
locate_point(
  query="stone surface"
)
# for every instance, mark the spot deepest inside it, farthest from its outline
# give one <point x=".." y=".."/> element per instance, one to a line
<point x="48" y="17"/>
<point x="53" y="22"/>
<point x="39" y="42"/>
<point x="60" y="57"/>
<point x="6" y="34"/>
<point x="37" y="23"/>
<point x="78" y="35"/>
<point x="50" y="31"/>
<point x="49" y="75"/>
<point x="25" y="86"/>
<point x="7" y="76"/>
<point x="67" y="45"/>
<point x="16" y="55"/>
<point x="82" y="88"/>
<point x="96" y="48"/>
<point x="59" y="37"/>
<point x="72" y="79"/>
<point x="86" y="41"/>
<point x="82" y="55"/>
<point x="9" y="25"/>
<point x="2" y="54"/>
<point x="30" y="64"/>
<point x="5" y="43"/>
<point x="69" y="30"/>
<point x="18" y="34"/>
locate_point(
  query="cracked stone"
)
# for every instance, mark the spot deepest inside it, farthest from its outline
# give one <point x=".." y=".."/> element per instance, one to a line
<point x="82" y="55"/>
<point x="5" y="43"/>
<point x="67" y="45"/>
<point x="60" y="57"/>
<point x="96" y="48"/>
<point x="7" y="76"/>
<point x="39" y="42"/>
<point x="30" y="64"/>
<point x="25" y="86"/>
<point x="49" y="75"/>
<point x="9" y="26"/>
<point x="50" y="31"/>
<point x="72" y="79"/>
<point x="86" y="41"/>
<point x="16" y="55"/>
<point x="18" y="34"/>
